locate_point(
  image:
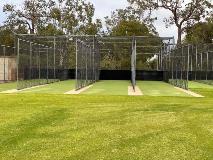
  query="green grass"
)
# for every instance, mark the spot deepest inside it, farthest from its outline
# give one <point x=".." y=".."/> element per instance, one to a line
<point x="82" y="127"/>
<point x="203" y="89"/>
<point x="109" y="87"/>
<point x="209" y="82"/>
<point x="193" y="84"/>
<point x="159" y="88"/>
<point x="7" y="86"/>
<point x="53" y="88"/>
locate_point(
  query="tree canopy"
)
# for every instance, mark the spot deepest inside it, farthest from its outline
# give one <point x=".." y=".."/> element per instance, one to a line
<point x="183" y="13"/>
<point x="201" y="32"/>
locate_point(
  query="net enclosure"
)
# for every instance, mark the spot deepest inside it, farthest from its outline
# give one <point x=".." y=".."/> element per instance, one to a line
<point x="87" y="61"/>
<point x="189" y="62"/>
<point x="47" y="59"/>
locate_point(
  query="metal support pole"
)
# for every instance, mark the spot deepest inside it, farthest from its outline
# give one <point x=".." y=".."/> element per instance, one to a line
<point x="30" y="60"/>
<point x="76" y="64"/>
<point x="18" y="54"/>
<point x="4" y="50"/>
<point x="94" y="75"/>
<point x="135" y="59"/>
<point x="188" y="67"/>
<point x="39" y="63"/>
<point x="196" y="64"/>
<point x="47" y="65"/>
<point x="87" y="65"/>
<point x="54" y="57"/>
<point x="207" y="64"/>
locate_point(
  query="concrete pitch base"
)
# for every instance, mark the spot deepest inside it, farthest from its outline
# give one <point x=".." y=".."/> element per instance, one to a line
<point x="78" y="91"/>
<point x="137" y="91"/>
<point x="189" y="92"/>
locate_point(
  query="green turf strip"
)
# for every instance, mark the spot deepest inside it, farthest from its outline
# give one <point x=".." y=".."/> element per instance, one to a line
<point x="110" y="87"/>
<point x="201" y="88"/>
<point x="193" y="84"/>
<point x="158" y="88"/>
<point x="67" y="127"/>
<point x="7" y="86"/>
<point x="53" y="88"/>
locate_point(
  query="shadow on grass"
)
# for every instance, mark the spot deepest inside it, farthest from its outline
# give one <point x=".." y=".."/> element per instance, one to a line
<point x="12" y="135"/>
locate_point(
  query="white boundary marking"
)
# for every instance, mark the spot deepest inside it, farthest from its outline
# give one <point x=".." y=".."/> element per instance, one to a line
<point x="137" y="91"/>
<point x="78" y="91"/>
<point x="189" y="92"/>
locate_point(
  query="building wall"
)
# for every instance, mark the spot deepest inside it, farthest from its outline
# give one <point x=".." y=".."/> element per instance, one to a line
<point x="8" y="68"/>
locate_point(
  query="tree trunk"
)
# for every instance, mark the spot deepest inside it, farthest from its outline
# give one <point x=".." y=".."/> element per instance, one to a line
<point x="179" y="35"/>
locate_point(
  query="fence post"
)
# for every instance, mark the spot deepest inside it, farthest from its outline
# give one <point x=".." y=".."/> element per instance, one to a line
<point x="76" y="63"/>
<point x="4" y="50"/>
<point x="47" y="65"/>
<point x="207" y="64"/>
<point x="18" y="45"/>
<point x="54" y="47"/>
<point x="188" y="67"/>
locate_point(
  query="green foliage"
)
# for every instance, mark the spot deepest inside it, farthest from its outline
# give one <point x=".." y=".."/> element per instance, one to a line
<point x="49" y="30"/>
<point x="183" y="13"/>
<point x="7" y="36"/>
<point x="200" y="33"/>
<point x="53" y="17"/>
<point x="130" y="28"/>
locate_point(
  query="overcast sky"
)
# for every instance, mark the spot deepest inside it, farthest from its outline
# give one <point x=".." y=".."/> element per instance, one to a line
<point x="105" y="7"/>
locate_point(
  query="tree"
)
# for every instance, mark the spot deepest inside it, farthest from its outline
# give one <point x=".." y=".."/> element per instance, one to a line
<point x="184" y="14"/>
<point x="63" y="16"/>
<point x="71" y="16"/>
<point x="201" y="32"/>
<point x="92" y="28"/>
<point x="7" y="36"/>
<point x="129" y="18"/>
<point x="30" y="15"/>
<point x="130" y="28"/>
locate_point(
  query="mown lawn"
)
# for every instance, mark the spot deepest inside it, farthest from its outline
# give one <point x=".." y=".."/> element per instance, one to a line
<point x="7" y="86"/>
<point x="54" y="88"/>
<point x="109" y="87"/>
<point x="159" y="88"/>
<point x="203" y="89"/>
<point x="60" y="127"/>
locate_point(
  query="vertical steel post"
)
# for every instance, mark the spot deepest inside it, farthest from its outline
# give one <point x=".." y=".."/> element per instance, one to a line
<point x="4" y="50"/>
<point x="94" y="75"/>
<point x="54" y="57"/>
<point x="18" y="65"/>
<point x="207" y="64"/>
<point x="188" y="68"/>
<point x="196" y="61"/>
<point x="39" y="64"/>
<point x="76" y="64"/>
<point x="47" y="65"/>
<point x="30" y="60"/>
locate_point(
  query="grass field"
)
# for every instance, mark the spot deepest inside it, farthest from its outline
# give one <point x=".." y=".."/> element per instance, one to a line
<point x="203" y="89"/>
<point x="159" y="88"/>
<point x="58" y="127"/>
<point x="54" y="88"/>
<point x="7" y="86"/>
<point x="109" y="87"/>
<point x="95" y="127"/>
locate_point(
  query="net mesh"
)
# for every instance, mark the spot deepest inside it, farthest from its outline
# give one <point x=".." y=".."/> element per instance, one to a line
<point x="87" y="61"/>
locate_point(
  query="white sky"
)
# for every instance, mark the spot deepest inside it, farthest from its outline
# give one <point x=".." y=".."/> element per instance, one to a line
<point x="105" y="7"/>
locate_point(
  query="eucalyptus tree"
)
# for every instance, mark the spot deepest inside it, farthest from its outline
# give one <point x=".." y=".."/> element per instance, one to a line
<point x="30" y="14"/>
<point x="184" y="13"/>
